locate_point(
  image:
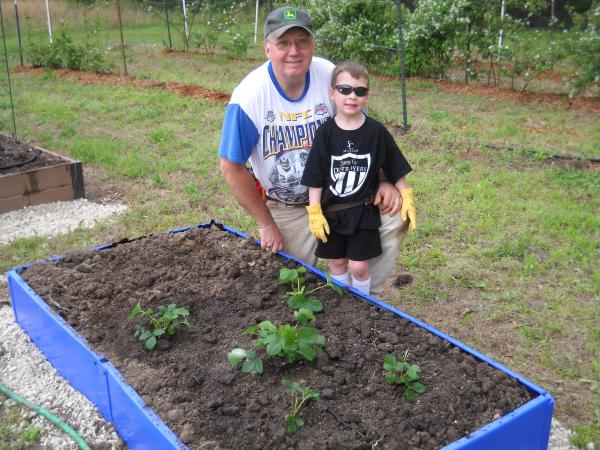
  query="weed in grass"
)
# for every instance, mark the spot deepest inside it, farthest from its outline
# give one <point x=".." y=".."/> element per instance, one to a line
<point x="509" y="297"/>
<point x="530" y="264"/>
<point x="159" y="180"/>
<point x="16" y="431"/>
<point x="433" y="259"/>
<point x="67" y="133"/>
<point x="96" y="150"/>
<point x="134" y="166"/>
<point x="513" y="248"/>
<point x="582" y="435"/>
<point x="531" y="334"/>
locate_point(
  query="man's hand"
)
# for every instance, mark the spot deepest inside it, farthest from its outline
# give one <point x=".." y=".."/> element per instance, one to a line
<point x="388" y="199"/>
<point x="271" y="238"/>
<point x="317" y="222"/>
<point x="409" y="210"/>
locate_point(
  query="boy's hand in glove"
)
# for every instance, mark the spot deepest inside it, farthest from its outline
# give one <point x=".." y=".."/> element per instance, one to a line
<point x="409" y="210"/>
<point x="317" y="222"/>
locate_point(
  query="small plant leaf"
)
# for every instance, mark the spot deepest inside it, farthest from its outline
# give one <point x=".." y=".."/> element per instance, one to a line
<point x="410" y="395"/>
<point x="253" y="364"/>
<point x="390" y="378"/>
<point x="287" y="275"/>
<point x="250" y="330"/>
<point x="158" y="332"/>
<point x="236" y="356"/>
<point x="303" y="316"/>
<point x="137" y="310"/>
<point x="145" y="335"/>
<point x="389" y="362"/>
<point x="291" y="423"/>
<point x="151" y="343"/>
<point x="418" y="387"/>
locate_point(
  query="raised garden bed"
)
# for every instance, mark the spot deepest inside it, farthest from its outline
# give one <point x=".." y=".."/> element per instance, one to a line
<point x="31" y="175"/>
<point x="228" y="283"/>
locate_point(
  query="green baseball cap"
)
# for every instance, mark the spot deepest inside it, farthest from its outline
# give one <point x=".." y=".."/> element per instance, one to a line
<point x="282" y="19"/>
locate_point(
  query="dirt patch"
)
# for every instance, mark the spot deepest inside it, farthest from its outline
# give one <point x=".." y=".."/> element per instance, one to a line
<point x="228" y="284"/>
<point x="18" y="157"/>
<point x="91" y="78"/>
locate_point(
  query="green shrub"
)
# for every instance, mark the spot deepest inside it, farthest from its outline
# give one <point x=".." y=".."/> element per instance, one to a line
<point x="585" y="51"/>
<point x="362" y="31"/>
<point x="64" y="53"/>
<point x="236" y="43"/>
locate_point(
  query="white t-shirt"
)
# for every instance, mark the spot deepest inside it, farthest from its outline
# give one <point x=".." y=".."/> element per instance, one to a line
<point x="262" y="125"/>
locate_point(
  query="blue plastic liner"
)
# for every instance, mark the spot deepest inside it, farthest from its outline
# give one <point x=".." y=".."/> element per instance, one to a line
<point x="526" y="428"/>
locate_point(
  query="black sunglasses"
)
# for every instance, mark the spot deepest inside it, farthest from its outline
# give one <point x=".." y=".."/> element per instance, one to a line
<point x="344" y="89"/>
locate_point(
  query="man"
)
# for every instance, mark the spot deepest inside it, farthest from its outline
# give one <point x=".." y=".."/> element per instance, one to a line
<point x="271" y="121"/>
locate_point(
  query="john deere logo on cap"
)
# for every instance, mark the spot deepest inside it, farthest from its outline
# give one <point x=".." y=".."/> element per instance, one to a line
<point x="289" y="14"/>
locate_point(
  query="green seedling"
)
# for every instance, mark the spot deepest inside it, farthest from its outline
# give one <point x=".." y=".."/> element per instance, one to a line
<point x="291" y="342"/>
<point x="300" y="396"/>
<point x="286" y="341"/>
<point x="166" y="321"/>
<point x="304" y="304"/>
<point x="403" y="373"/>
<point x="252" y="363"/>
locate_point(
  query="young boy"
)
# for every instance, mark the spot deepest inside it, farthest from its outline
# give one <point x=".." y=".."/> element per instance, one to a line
<point x="342" y="172"/>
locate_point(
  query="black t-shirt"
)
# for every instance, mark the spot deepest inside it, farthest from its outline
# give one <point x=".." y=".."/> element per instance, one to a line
<point x="346" y="163"/>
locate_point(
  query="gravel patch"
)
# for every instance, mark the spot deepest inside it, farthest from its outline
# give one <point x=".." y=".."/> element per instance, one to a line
<point x="51" y="219"/>
<point x="25" y="371"/>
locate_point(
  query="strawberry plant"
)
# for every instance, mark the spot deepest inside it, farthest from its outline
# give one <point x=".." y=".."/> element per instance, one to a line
<point x="165" y="321"/>
<point x="300" y="396"/>
<point x="403" y="373"/>
<point x="290" y="342"/>
<point x="301" y="300"/>
<point x="252" y="363"/>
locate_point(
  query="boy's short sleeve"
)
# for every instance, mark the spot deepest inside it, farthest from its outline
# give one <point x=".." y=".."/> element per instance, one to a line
<point x="396" y="165"/>
<point x="239" y="135"/>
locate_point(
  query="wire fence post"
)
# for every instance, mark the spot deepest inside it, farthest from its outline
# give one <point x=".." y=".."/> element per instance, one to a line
<point x="185" y="26"/>
<point x="12" y="106"/>
<point x="256" y="21"/>
<point x="501" y="34"/>
<point x="168" y="26"/>
<point x="402" y="74"/>
<point x="122" y="39"/>
<point x="49" y="22"/>
<point x="18" y="32"/>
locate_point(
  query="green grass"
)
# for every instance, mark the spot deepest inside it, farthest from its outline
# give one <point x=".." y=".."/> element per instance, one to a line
<point x="506" y="253"/>
<point x="16" y="432"/>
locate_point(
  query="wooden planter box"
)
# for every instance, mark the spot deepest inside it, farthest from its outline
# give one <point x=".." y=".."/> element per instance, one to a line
<point x="63" y="181"/>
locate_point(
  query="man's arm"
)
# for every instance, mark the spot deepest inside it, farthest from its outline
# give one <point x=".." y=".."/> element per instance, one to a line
<point x="242" y="186"/>
<point x="387" y="197"/>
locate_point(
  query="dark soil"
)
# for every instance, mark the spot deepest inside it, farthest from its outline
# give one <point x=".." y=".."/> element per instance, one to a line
<point x="229" y="283"/>
<point x="19" y="157"/>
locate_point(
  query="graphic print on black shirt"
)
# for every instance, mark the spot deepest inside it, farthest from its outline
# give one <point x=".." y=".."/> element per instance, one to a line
<point x="346" y="163"/>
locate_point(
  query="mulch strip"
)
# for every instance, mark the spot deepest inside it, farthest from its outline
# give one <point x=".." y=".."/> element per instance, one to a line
<point x="587" y="104"/>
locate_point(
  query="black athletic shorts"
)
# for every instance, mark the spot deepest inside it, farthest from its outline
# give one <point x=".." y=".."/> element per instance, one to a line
<point x="363" y="245"/>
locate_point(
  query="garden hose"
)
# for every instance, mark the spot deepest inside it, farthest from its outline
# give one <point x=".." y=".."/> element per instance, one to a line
<point x="47" y="414"/>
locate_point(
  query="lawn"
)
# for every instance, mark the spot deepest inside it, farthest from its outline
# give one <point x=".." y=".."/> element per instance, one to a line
<point x="507" y="250"/>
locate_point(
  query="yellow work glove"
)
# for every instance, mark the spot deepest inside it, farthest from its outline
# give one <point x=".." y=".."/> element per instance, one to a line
<point x="317" y="222"/>
<point x="409" y="210"/>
